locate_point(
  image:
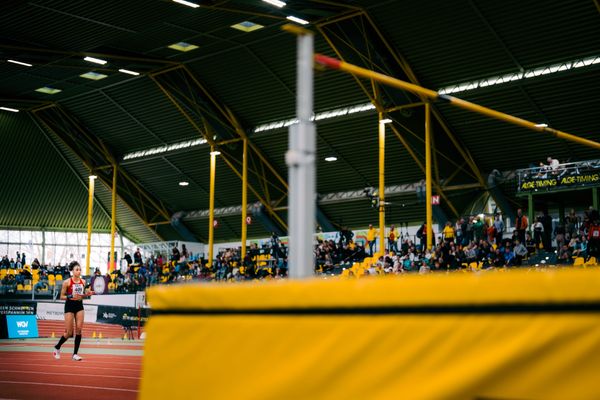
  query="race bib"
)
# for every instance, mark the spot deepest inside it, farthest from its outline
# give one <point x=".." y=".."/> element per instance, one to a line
<point x="78" y="289"/>
<point x="596" y="234"/>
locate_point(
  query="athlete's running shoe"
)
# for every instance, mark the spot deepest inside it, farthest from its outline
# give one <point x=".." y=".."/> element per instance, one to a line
<point x="77" y="358"/>
<point x="56" y="353"/>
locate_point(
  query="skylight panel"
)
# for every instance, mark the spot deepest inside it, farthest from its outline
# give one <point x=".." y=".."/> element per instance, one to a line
<point x="183" y="46"/>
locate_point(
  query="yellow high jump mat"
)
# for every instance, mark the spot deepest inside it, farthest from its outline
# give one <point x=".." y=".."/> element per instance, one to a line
<point x="512" y="335"/>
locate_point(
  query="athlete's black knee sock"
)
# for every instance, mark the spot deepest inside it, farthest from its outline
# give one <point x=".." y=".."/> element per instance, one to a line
<point x="60" y="342"/>
<point x="77" y="343"/>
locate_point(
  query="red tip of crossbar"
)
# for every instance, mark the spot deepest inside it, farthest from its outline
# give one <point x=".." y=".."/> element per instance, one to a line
<point x="327" y="61"/>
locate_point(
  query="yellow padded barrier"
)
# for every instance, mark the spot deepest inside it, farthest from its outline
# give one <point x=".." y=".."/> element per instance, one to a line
<point x="524" y="334"/>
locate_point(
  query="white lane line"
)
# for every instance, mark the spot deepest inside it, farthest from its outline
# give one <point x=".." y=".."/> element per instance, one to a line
<point x="62" y="374"/>
<point x="70" y="386"/>
<point x="79" y="366"/>
<point x="91" y="359"/>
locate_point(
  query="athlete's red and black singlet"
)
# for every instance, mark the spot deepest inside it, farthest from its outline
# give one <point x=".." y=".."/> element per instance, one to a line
<point x="74" y="288"/>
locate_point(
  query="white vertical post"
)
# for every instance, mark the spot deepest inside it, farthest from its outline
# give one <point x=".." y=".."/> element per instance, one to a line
<point x="300" y="159"/>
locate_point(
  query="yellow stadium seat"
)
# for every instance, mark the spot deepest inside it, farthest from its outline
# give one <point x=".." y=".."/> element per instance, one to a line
<point x="20" y="287"/>
<point x="27" y="288"/>
<point x="579" y="261"/>
<point x="591" y="261"/>
<point x="51" y="278"/>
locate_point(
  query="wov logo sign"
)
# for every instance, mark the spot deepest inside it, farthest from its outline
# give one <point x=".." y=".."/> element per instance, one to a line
<point x="22" y="326"/>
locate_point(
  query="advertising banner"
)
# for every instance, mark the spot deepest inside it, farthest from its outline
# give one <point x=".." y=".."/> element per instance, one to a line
<point x="124" y="316"/>
<point x="17" y="309"/>
<point x="22" y="326"/>
<point x="582" y="178"/>
<point x="56" y="311"/>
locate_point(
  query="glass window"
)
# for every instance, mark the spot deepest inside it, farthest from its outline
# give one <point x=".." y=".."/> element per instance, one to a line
<point x="26" y="237"/>
<point x="3" y="236"/>
<point x="12" y="251"/>
<point x="49" y="256"/>
<point x="14" y="236"/>
<point x="36" y="237"/>
<point x="60" y="238"/>
<point x="72" y="237"/>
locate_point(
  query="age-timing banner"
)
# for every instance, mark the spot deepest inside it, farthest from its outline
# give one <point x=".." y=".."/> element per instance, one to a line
<point x="560" y="182"/>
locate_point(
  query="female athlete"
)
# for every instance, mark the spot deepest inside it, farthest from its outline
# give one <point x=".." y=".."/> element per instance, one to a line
<point x="73" y="291"/>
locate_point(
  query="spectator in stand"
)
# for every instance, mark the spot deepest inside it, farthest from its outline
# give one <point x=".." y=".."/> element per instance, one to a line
<point x="127" y="258"/>
<point x="137" y="257"/>
<point x="459" y="232"/>
<point x="469" y="230"/>
<point x="594" y="240"/>
<point x="521" y="224"/>
<point x="509" y="256"/>
<point x="275" y="242"/>
<point x="491" y="235"/>
<point x="184" y="252"/>
<point x="560" y="233"/>
<point x="422" y="234"/>
<point x="175" y="255"/>
<point x="547" y="236"/>
<point x="529" y="243"/>
<point x="520" y="252"/>
<point x="499" y="227"/>
<point x="564" y="254"/>
<point x="448" y="232"/>
<point x="392" y="237"/>
<point x="572" y="222"/>
<point x="372" y="238"/>
<point x="593" y="215"/>
<point x="553" y="165"/>
<point x="478" y="229"/>
<point x="35" y="264"/>
<point x="23" y="259"/>
<point x="538" y="232"/>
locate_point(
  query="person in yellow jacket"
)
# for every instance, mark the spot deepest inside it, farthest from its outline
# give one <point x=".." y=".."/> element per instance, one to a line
<point x="392" y="238"/>
<point x="448" y="232"/>
<point x="372" y="238"/>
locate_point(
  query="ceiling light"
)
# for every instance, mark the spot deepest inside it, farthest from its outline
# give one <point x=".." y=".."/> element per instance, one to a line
<point x="215" y="153"/>
<point x="48" y="90"/>
<point x="247" y="26"/>
<point x="183" y="46"/>
<point x="338" y="112"/>
<point x="19" y="62"/>
<point x="330" y="159"/>
<point x="164" y="149"/>
<point x="275" y="3"/>
<point x="385" y="121"/>
<point x="297" y="20"/>
<point x="517" y="76"/>
<point x="183" y="183"/>
<point x="541" y="125"/>
<point x="95" y="76"/>
<point x="126" y="71"/>
<point x="9" y="109"/>
<point x="95" y="60"/>
<point x="92" y="177"/>
<point x="187" y="3"/>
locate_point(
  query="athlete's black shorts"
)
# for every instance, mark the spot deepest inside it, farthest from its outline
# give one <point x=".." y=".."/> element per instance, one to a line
<point x="73" y="306"/>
